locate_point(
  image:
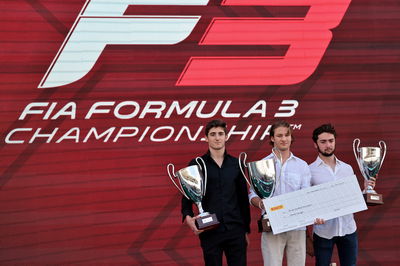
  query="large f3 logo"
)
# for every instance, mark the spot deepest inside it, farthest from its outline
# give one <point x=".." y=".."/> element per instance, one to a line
<point x="102" y="23"/>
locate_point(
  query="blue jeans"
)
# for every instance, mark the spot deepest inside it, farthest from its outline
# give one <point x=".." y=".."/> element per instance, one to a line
<point x="347" y="247"/>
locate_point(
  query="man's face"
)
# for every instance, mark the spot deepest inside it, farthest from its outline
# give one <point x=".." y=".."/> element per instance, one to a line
<point x="325" y="144"/>
<point x="216" y="138"/>
<point x="282" y="138"/>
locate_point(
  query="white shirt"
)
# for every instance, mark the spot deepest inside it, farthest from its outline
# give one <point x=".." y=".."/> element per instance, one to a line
<point x="293" y="175"/>
<point x="321" y="173"/>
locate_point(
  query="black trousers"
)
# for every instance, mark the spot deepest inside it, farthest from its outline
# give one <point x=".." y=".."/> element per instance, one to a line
<point x="231" y="242"/>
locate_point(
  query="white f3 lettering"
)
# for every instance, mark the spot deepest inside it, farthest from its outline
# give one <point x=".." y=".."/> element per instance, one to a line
<point x="102" y="22"/>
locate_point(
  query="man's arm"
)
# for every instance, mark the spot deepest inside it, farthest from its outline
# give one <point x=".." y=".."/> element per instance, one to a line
<point x="255" y="200"/>
<point x="187" y="215"/>
<point x="186" y="208"/>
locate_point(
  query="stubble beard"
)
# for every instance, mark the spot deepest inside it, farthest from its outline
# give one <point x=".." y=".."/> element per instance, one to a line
<point x="325" y="153"/>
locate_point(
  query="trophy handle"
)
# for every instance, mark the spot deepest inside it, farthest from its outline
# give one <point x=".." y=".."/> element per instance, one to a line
<point x="356" y="150"/>
<point x="169" y="171"/>
<point x="276" y="156"/>
<point x="280" y="159"/>
<point x="244" y="164"/>
<point x="382" y="145"/>
<point x="205" y="172"/>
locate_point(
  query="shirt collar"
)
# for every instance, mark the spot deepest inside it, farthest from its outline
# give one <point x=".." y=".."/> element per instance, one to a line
<point x="291" y="156"/>
<point x="208" y="153"/>
<point x="320" y="162"/>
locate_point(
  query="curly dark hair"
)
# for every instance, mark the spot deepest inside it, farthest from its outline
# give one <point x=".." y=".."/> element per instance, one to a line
<point x="215" y="123"/>
<point x="325" y="128"/>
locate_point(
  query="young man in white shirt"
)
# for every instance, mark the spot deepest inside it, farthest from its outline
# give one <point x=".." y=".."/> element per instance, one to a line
<point x="292" y="173"/>
<point x="341" y="231"/>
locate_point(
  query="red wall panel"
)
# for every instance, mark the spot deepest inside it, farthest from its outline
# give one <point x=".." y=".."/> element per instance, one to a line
<point x="97" y="202"/>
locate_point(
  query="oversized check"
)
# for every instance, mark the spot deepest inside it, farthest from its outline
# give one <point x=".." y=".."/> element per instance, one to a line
<point x="327" y="201"/>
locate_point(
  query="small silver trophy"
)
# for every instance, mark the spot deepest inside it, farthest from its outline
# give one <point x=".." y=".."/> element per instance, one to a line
<point x="192" y="185"/>
<point x="262" y="179"/>
<point x="370" y="160"/>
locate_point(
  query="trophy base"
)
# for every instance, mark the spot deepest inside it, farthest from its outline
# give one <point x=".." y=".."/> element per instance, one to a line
<point x="207" y="222"/>
<point x="373" y="199"/>
<point x="264" y="225"/>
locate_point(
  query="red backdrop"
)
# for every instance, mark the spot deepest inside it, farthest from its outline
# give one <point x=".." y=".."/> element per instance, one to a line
<point x="105" y="202"/>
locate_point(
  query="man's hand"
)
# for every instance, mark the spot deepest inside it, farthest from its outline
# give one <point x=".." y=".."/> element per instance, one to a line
<point x="370" y="183"/>
<point x="257" y="202"/>
<point x="319" y="221"/>
<point x="190" y="221"/>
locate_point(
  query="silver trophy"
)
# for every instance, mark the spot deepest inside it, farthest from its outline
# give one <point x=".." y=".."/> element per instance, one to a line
<point x="262" y="178"/>
<point x="370" y="160"/>
<point x="192" y="185"/>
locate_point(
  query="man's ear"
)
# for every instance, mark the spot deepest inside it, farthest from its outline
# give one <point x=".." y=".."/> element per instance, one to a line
<point x="315" y="145"/>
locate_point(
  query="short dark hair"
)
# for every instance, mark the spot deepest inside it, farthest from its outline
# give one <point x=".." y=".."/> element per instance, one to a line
<point x="215" y="123"/>
<point x="280" y="123"/>
<point x="325" y="128"/>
